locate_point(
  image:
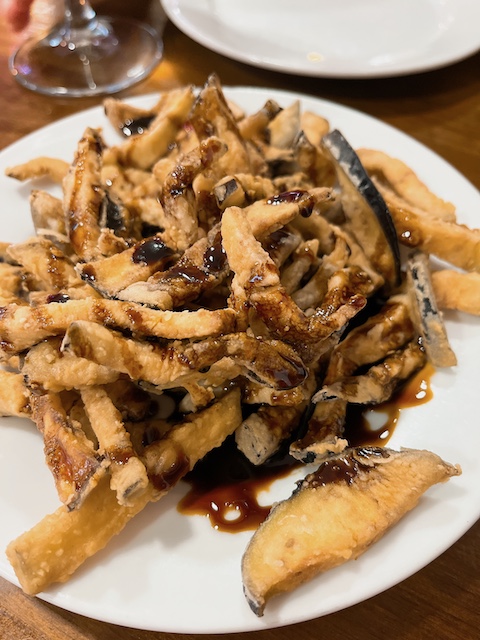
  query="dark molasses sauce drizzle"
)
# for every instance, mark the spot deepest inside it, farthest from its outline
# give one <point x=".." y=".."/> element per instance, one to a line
<point x="151" y="251"/>
<point x="136" y="126"/>
<point x="359" y="428"/>
<point x="225" y="486"/>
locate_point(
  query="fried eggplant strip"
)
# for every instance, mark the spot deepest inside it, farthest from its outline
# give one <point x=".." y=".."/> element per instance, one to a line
<point x="200" y="268"/>
<point x="40" y="167"/>
<point x="47" y="213"/>
<point x="324" y="432"/>
<point x="144" y="150"/>
<point x="128" y="473"/>
<point x="75" y="466"/>
<point x="381" y="334"/>
<point x="242" y="189"/>
<point x="426" y="315"/>
<point x="47" y="267"/>
<point x="177" y="196"/>
<point x="83" y="195"/>
<point x="22" y="326"/>
<point x="14" y="395"/>
<point x="273" y="363"/>
<point x="11" y="284"/>
<point x="455" y="290"/>
<point x="400" y="185"/>
<point x="262" y="433"/>
<point x="47" y="368"/>
<point x="55" y="547"/>
<point x="378" y="384"/>
<point x="211" y="115"/>
<point x="455" y="243"/>
<point x="137" y="263"/>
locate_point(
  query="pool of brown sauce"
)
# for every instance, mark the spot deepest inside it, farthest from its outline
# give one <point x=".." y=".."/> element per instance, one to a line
<point x="225" y="486"/>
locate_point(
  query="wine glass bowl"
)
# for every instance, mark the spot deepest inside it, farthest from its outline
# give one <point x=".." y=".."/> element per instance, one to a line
<point x="87" y="55"/>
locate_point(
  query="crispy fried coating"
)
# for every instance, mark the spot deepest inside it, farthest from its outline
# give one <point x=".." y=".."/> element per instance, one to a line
<point x="335" y="515"/>
<point x="23" y="326"/>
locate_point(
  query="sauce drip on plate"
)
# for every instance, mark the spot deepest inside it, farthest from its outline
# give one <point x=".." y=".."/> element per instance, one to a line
<point x="226" y="487"/>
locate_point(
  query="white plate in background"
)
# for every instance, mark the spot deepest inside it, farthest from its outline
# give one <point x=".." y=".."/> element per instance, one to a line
<point x="173" y="573"/>
<point x="342" y="38"/>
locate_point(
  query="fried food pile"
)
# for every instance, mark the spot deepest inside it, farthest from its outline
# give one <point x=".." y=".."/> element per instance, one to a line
<point x="221" y="274"/>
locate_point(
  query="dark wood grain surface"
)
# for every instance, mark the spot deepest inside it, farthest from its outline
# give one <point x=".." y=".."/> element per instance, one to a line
<point x="440" y="109"/>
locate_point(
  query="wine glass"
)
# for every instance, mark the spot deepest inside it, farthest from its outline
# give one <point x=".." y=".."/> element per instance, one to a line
<point x="86" y="54"/>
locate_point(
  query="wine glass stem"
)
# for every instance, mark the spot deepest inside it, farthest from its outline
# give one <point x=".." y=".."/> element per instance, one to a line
<point x="78" y="13"/>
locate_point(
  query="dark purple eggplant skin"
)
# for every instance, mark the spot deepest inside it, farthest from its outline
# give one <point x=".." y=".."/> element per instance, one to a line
<point x="347" y="158"/>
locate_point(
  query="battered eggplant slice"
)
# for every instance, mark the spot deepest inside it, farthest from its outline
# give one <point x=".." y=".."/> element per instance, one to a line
<point x="142" y="151"/>
<point x="380" y="381"/>
<point x="324" y="432"/>
<point x="366" y="212"/>
<point x="457" y="290"/>
<point x="46" y="367"/>
<point x="83" y="194"/>
<point x="88" y="205"/>
<point x="281" y="244"/>
<point x="40" y="167"/>
<point x="128" y="474"/>
<point x="313" y="161"/>
<point x="201" y="268"/>
<point x="14" y="395"/>
<point x="254" y="126"/>
<point x="426" y="314"/>
<point x="270" y="362"/>
<point x="47" y="213"/>
<point x="22" y="326"/>
<point x="258" y="394"/>
<point x="136" y="264"/>
<point x="135" y="404"/>
<point x="314" y="126"/>
<point x="75" y="465"/>
<point x="263" y="432"/>
<point x="311" y="294"/>
<point x="11" y="284"/>
<point x="118" y="220"/>
<point x="128" y="119"/>
<point x="242" y="189"/>
<point x="335" y="514"/>
<point x="304" y="260"/>
<point x="399" y="185"/>
<point x="455" y="243"/>
<point x="46" y="266"/>
<point x="212" y="116"/>
<point x="270" y="214"/>
<point x="178" y="198"/>
<point x="284" y="127"/>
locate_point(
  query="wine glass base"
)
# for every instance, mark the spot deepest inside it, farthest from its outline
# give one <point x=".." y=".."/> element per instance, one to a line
<point x="117" y="54"/>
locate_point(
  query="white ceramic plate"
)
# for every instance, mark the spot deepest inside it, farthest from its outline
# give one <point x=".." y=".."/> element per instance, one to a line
<point x="173" y="573"/>
<point x="343" y="39"/>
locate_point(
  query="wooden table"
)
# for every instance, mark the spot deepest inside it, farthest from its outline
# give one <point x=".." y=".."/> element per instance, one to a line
<point x="440" y="109"/>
